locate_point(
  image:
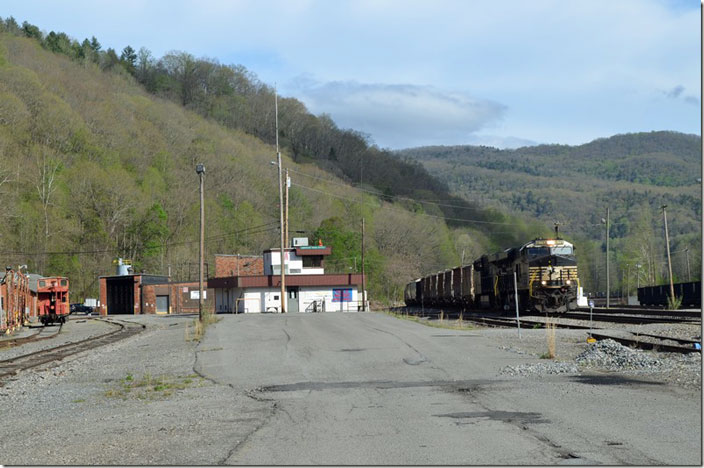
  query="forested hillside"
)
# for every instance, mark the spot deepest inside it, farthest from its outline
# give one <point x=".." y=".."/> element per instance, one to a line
<point x="633" y="174"/>
<point x="98" y="154"/>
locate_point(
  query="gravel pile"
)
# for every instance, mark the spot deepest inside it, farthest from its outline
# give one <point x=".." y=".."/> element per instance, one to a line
<point x="549" y="368"/>
<point x="610" y="355"/>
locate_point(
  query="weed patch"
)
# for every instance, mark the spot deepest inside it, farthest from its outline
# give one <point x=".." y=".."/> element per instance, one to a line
<point x="459" y="325"/>
<point x="150" y="387"/>
<point x="196" y="330"/>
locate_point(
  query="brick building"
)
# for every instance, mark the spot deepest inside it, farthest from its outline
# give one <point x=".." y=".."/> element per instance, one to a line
<point x="238" y="265"/>
<point x="150" y="294"/>
<point x="308" y="288"/>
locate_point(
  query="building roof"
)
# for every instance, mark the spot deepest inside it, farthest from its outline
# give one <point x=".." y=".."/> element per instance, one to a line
<point x="273" y="281"/>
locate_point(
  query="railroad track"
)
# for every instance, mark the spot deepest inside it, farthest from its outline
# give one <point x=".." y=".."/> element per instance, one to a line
<point x="638" y="340"/>
<point x="10" y="367"/>
<point x="631" y="316"/>
<point x="654" y="342"/>
<point x="684" y="314"/>
<point x="44" y="333"/>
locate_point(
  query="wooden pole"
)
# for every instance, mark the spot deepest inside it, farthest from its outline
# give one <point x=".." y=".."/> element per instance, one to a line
<point x="364" y="282"/>
<point x="202" y="236"/>
<point x="286" y="213"/>
<point x="669" y="262"/>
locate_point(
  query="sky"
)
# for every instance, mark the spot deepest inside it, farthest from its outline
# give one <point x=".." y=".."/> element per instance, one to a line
<point x="409" y="73"/>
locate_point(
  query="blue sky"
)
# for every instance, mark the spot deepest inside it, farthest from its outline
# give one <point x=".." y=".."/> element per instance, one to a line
<point x="411" y="73"/>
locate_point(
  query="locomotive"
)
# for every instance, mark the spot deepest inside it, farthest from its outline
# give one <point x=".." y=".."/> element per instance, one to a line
<point x="545" y="277"/>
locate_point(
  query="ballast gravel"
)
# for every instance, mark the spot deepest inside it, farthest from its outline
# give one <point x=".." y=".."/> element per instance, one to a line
<point x="575" y="356"/>
<point x="169" y="415"/>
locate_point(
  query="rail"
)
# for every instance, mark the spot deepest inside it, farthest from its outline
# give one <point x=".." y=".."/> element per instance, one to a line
<point x="10" y="367"/>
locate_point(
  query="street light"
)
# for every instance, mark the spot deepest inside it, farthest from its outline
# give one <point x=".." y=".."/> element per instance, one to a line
<point x="281" y="208"/>
<point x="200" y="170"/>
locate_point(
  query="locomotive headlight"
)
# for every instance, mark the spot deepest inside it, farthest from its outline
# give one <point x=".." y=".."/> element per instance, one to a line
<point x="543" y="282"/>
<point x="568" y="282"/>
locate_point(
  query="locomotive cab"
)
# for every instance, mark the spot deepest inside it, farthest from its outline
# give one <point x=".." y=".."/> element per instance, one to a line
<point x="552" y="274"/>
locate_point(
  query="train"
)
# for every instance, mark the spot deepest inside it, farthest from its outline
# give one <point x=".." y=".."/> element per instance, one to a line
<point x="52" y="300"/>
<point x="15" y="300"/>
<point x="546" y="279"/>
<point x="27" y="298"/>
<point x="690" y="293"/>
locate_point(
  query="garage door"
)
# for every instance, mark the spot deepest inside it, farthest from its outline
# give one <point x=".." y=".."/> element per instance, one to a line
<point x="162" y="304"/>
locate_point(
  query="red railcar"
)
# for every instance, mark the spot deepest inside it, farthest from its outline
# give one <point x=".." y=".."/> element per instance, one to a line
<point x="15" y="300"/>
<point x="52" y="299"/>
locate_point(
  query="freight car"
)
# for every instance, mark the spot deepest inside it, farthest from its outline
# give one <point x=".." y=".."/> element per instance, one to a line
<point x="546" y="280"/>
<point x="52" y="300"/>
<point x="690" y="293"/>
<point x="15" y="300"/>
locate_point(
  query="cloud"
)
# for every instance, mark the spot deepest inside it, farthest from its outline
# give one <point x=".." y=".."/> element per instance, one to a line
<point x="675" y="92"/>
<point x="500" y="142"/>
<point x="399" y="115"/>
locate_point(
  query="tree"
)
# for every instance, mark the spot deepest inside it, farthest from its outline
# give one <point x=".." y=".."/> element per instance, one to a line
<point x="129" y="59"/>
<point x="31" y="31"/>
<point x="109" y="60"/>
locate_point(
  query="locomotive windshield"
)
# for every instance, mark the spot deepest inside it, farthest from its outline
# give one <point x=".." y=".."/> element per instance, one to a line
<point x="562" y="250"/>
<point x="535" y="251"/>
<point x="543" y="251"/>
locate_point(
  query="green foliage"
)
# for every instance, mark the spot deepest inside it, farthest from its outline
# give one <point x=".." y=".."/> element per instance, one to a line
<point x="633" y="174"/>
<point x="674" y="302"/>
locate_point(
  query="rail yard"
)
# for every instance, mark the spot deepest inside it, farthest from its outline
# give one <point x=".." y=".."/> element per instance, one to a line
<point x="342" y="388"/>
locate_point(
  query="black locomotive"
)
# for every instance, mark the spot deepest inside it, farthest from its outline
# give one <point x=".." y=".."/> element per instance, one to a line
<point x="543" y="272"/>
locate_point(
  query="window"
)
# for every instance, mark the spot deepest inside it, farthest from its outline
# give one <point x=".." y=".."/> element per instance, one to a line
<point x="342" y="295"/>
<point x="42" y="284"/>
<point x="312" y="262"/>
<point x="64" y="282"/>
<point x="564" y="250"/>
<point x="535" y="251"/>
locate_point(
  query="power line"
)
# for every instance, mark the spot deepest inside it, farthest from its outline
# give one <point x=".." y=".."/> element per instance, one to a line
<point x="404" y="211"/>
<point x="383" y="195"/>
<point x="249" y="230"/>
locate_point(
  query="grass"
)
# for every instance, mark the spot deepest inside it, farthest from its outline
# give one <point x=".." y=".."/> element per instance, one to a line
<point x="197" y="330"/>
<point x="459" y="325"/>
<point x="150" y="387"/>
<point x="674" y="302"/>
<point x="550" y="336"/>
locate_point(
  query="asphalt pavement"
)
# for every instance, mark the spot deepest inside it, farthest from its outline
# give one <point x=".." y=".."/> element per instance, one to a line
<point x="367" y="388"/>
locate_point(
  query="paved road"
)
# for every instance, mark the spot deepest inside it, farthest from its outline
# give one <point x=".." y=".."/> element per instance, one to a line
<point x="366" y="388"/>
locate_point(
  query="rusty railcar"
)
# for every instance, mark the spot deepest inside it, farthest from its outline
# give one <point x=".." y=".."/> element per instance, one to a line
<point x="15" y="300"/>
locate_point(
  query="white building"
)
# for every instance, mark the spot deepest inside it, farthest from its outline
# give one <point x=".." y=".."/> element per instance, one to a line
<point x="308" y="288"/>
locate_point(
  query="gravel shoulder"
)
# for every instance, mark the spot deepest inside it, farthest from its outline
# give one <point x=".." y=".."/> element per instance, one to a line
<point x="169" y="416"/>
<point x="76" y="329"/>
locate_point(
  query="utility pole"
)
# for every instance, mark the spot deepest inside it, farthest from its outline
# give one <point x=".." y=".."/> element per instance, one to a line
<point x="608" y="290"/>
<point x="288" y="184"/>
<point x="689" y="275"/>
<point x="669" y="262"/>
<point x="364" y="282"/>
<point x="200" y="170"/>
<point x="281" y="209"/>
